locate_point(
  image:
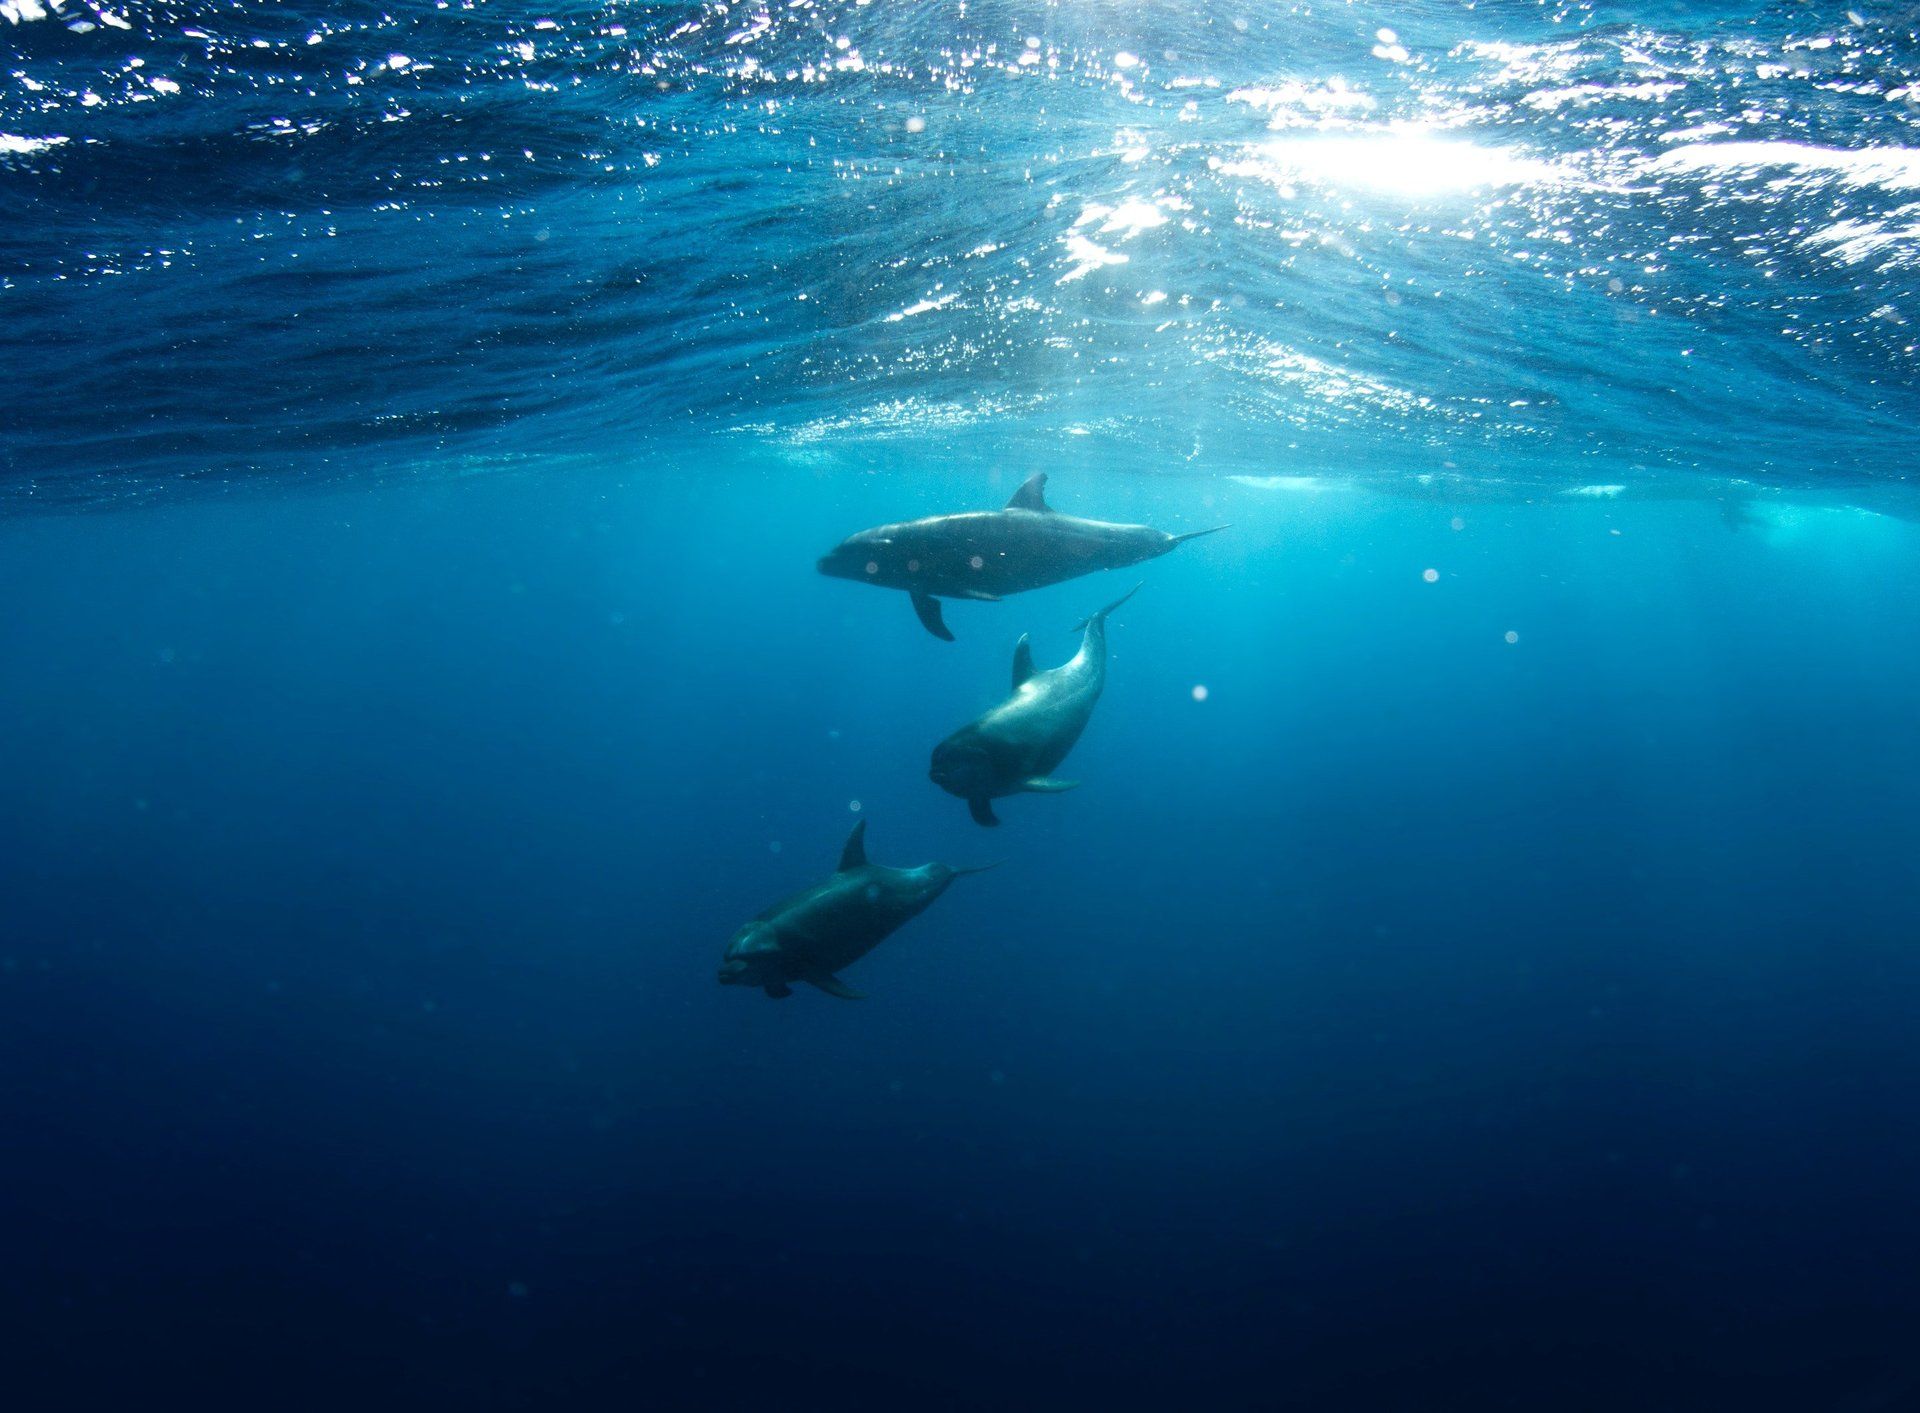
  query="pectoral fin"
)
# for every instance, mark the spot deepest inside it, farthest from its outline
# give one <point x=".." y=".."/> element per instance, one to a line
<point x="928" y="607"/>
<point x="982" y="812"/>
<point x="833" y="986"/>
<point x="779" y="990"/>
<point x="1047" y="785"/>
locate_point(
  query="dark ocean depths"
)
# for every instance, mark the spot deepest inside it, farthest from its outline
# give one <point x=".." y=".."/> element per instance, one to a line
<point x="1480" y="968"/>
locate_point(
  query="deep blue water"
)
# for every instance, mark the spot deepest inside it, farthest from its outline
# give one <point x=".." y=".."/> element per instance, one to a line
<point x="1478" y="970"/>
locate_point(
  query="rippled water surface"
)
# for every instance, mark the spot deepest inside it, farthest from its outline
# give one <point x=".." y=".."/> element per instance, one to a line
<point x="1517" y="245"/>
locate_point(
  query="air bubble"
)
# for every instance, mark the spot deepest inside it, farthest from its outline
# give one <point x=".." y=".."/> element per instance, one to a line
<point x="1432" y="576"/>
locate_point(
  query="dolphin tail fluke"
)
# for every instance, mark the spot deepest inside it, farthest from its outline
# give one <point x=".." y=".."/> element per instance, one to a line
<point x="982" y="812"/>
<point x="1101" y="616"/>
<point x="1196" y="534"/>
<point x="928" y="607"/>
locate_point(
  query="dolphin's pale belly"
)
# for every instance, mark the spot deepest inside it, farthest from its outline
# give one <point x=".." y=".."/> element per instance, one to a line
<point x="1032" y="732"/>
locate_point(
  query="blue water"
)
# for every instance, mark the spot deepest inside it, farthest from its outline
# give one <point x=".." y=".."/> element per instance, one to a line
<point x="1478" y="969"/>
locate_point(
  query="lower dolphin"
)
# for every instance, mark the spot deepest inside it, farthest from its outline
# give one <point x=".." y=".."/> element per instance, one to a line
<point x="812" y="935"/>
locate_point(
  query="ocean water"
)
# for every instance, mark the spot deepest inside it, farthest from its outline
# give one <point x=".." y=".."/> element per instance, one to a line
<point x="1478" y="969"/>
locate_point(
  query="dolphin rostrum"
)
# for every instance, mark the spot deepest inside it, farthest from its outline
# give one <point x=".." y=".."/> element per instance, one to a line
<point x="1015" y="746"/>
<point x="986" y="554"/>
<point x="815" y="933"/>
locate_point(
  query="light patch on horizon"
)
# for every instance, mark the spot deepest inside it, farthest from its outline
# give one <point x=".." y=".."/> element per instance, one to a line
<point x="1398" y="160"/>
<point x="1281" y="483"/>
<point x="1894" y="168"/>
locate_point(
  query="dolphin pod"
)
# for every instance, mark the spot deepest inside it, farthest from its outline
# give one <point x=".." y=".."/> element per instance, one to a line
<point x="988" y="554"/>
<point x="1011" y="749"/>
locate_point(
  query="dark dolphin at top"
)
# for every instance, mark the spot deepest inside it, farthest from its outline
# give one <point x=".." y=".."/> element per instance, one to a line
<point x="1015" y="747"/>
<point x="986" y="554"/>
<point x="831" y="925"/>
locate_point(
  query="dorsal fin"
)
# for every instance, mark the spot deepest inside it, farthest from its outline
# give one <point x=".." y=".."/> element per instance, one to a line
<point x="855" y="854"/>
<point x="1022" y="662"/>
<point x="1032" y="494"/>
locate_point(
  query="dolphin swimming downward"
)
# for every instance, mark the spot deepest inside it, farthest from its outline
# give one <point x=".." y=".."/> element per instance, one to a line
<point x="1013" y="747"/>
<point x="815" y="933"/>
<point x="986" y="554"/>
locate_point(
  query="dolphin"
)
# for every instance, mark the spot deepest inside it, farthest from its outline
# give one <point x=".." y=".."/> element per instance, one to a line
<point x="986" y="554"/>
<point x="1014" y="746"/>
<point x="815" y="933"/>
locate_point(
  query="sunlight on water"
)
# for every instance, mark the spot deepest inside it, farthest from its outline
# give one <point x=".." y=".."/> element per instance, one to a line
<point x="1507" y="239"/>
<point x="1403" y="160"/>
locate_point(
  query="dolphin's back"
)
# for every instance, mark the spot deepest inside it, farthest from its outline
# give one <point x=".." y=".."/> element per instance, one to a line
<point x="836" y="922"/>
